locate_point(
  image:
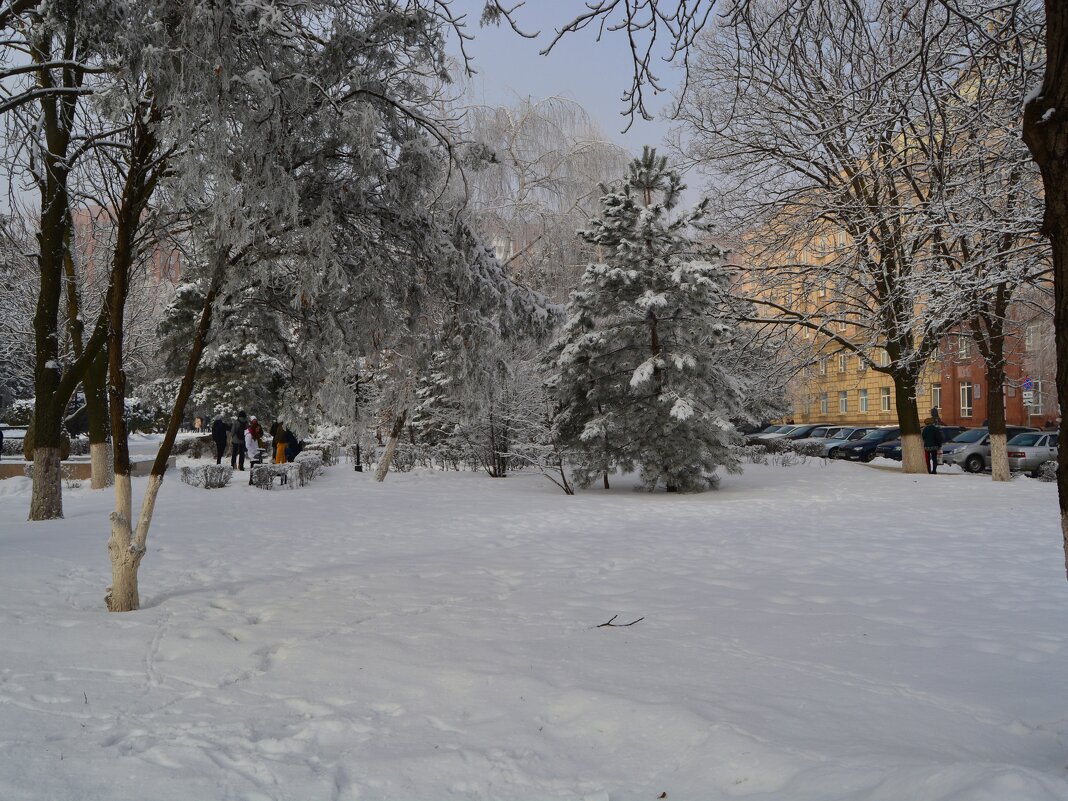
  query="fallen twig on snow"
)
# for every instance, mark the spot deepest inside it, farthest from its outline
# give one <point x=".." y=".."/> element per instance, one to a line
<point x="618" y="625"/>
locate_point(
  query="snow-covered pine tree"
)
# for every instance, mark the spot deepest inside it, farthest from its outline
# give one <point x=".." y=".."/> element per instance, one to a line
<point x="637" y="374"/>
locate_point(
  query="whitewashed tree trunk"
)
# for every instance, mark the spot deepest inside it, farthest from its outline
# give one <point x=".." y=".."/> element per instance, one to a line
<point x="46" y="502"/>
<point x="103" y="470"/>
<point x="999" y="457"/>
<point x="391" y="447"/>
<point x="125" y="558"/>
<point x="387" y="458"/>
<point x="126" y="547"/>
<point x="912" y="457"/>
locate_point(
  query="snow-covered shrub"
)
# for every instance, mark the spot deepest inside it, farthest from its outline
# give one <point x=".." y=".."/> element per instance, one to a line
<point x="776" y="445"/>
<point x="809" y="450"/>
<point x="1047" y="471"/>
<point x="79" y="446"/>
<point x="311" y="465"/>
<point x="328" y="451"/>
<point x="209" y="476"/>
<point x="19" y="413"/>
<point x="405" y="457"/>
<point x="753" y="454"/>
<point x="193" y="446"/>
<point x="788" y="458"/>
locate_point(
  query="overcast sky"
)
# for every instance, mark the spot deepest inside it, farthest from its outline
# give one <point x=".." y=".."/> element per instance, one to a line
<point x="594" y="74"/>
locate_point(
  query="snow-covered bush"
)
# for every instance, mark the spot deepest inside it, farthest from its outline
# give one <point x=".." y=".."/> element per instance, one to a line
<point x="208" y="476"/>
<point x="19" y="413"/>
<point x="1047" y="471"/>
<point x="810" y="450"/>
<point x="311" y="465"/>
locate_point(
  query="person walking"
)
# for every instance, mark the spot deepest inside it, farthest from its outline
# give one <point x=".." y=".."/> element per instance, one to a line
<point x="932" y="444"/>
<point x="220" y="435"/>
<point x="237" y="441"/>
<point x="278" y="435"/>
<point x="254" y="440"/>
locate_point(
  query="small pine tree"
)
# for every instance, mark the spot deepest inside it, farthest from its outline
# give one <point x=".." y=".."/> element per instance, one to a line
<point x="636" y="374"/>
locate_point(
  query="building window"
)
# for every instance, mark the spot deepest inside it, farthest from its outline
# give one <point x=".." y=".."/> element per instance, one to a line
<point x="843" y="325"/>
<point x="843" y="402"/>
<point x="921" y="390"/>
<point x="823" y="366"/>
<point x="1031" y="337"/>
<point x="841" y="362"/>
<point x="936" y="396"/>
<point x="884" y="358"/>
<point x="823" y="403"/>
<point x="862" y="365"/>
<point x="1036" y="399"/>
<point x="884" y="398"/>
<point x="967" y="399"/>
<point x="963" y="346"/>
<point x="862" y="400"/>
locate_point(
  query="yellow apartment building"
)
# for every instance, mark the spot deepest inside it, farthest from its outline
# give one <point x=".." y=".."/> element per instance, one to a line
<point x="839" y="388"/>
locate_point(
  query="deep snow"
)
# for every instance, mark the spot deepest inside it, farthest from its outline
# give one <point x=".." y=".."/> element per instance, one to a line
<point x="815" y="633"/>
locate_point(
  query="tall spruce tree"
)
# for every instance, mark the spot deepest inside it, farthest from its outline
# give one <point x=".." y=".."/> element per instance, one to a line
<point x="638" y="373"/>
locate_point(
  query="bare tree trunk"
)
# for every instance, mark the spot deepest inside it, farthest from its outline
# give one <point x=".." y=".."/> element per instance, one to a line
<point x="95" y="378"/>
<point x="122" y="595"/>
<point x="391" y="446"/>
<point x="46" y="500"/>
<point x="102" y="473"/>
<point x="1045" y="130"/>
<point x="125" y="550"/>
<point x="908" y="417"/>
<point x="96" y="408"/>
<point x="995" y="415"/>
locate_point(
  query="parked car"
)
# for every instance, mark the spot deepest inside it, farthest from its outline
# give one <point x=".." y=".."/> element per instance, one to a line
<point x="892" y="449"/>
<point x="842" y="437"/>
<point x="817" y="436"/>
<point x="1028" y="451"/>
<point x="971" y="448"/>
<point x="796" y="432"/>
<point x="863" y="449"/>
<point x="759" y="435"/>
<point x="774" y="435"/>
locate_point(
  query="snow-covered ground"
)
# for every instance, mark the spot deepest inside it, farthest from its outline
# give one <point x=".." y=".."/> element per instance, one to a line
<point x="815" y="633"/>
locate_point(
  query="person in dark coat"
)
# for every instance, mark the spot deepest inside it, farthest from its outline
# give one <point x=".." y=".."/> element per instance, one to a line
<point x="293" y="445"/>
<point x="1" y="443"/>
<point x="932" y="444"/>
<point x="237" y="441"/>
<point x="220" y="435"/>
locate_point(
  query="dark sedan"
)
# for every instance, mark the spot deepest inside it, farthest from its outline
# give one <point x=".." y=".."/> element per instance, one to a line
<point x="863" y="449"/>
<point x="892" y="449"/>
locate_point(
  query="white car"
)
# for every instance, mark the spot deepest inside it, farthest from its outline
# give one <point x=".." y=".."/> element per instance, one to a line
<point x="1029" y="451"/>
